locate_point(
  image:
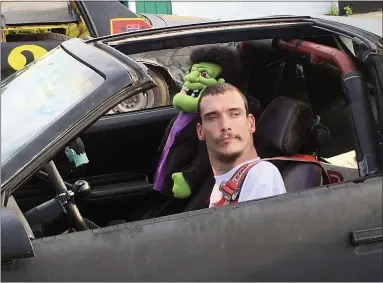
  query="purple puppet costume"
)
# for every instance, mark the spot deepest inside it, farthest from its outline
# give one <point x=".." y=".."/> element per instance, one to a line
<point x="184" y="167"/>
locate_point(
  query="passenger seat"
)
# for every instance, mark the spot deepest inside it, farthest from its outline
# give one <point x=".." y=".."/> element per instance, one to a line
<point x="282" y="130"/>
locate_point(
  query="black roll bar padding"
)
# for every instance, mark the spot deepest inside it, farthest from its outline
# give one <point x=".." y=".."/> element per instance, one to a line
<point x="356" y="95"/>
<point x="361" y="115"/>
<point x="44" y="176"/>
<point x="59" y="185"/>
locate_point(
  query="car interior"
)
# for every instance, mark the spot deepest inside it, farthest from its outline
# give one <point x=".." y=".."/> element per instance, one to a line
<point x="300" y="107"/>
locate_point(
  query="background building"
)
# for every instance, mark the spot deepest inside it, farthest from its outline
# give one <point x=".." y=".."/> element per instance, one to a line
<point x="238" y="9"/>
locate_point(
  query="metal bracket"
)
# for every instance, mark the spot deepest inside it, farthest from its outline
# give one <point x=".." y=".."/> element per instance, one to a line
<point x="63" y="199"/>
<point x="300" y="71"/>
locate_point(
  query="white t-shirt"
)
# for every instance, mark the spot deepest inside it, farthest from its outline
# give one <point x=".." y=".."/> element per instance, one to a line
<point x="262" y="180"/>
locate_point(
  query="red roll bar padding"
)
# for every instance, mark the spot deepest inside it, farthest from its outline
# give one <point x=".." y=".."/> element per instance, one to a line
<point x="320" y="53"/>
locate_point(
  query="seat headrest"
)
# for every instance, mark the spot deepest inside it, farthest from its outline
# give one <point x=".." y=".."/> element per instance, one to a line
<point x="285" y="124"/>
<point x="254" y="106"/>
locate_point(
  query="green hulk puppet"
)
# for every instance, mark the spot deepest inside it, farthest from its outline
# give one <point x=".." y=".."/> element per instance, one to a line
<point x="184" y="164"/>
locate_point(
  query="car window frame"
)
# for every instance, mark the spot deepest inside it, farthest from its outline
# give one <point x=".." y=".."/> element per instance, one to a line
<point x="121" y="81"/>
<point x="40" y="77"/>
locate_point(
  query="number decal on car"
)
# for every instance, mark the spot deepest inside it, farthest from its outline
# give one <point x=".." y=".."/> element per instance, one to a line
<point x="22" y="55"/>
<point x="335" y="176"/>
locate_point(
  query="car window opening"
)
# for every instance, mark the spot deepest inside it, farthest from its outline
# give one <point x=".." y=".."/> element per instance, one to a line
<point x="120" y="163"/>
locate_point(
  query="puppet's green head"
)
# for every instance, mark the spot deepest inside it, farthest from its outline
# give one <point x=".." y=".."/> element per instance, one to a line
<point x="201" y="75"/>
<point x="210" y="65"/>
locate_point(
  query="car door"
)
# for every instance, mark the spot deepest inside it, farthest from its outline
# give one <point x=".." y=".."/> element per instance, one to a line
<point x="329" y="233"/>
<point x="122" y="150"/>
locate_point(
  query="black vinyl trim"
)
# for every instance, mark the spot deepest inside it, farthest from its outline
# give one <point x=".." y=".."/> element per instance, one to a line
<point x="139" y="118"/>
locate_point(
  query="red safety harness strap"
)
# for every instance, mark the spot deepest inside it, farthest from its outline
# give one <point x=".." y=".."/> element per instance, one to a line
<point x="305" y="158"/>
<point x="230" y="190"/>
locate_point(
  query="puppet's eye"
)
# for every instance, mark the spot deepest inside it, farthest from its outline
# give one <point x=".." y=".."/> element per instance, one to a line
<point x="205" y="74"/>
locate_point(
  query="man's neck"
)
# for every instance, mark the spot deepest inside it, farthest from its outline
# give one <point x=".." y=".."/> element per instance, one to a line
<point x="220" y="168"/>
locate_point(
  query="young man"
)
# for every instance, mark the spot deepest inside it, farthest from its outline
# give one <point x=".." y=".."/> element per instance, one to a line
<point x="227" y="127"/>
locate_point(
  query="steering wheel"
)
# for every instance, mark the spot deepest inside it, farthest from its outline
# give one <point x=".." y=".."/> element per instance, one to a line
<point x="65" y="197"/>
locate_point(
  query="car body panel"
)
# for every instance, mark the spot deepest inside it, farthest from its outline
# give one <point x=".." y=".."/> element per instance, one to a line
<point x="296" y="237"/>
<point x="102" y="12"/>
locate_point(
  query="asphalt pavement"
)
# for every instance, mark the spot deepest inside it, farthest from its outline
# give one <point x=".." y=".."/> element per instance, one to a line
<point x="372" y="22"/>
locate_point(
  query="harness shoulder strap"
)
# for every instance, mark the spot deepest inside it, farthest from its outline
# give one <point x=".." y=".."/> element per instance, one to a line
<point x="231" y="189"/>
<point x="305" y="158"/>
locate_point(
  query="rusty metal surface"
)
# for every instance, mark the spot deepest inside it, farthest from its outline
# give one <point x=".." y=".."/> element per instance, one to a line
<point x="175" y="61"/>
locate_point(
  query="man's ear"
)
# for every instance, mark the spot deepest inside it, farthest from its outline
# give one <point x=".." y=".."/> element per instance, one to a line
<point x="251" y="123"/>
<point x="200" y="133"/>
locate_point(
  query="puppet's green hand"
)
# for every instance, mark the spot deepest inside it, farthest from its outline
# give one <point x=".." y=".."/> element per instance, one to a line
<point x="180" y="189"/>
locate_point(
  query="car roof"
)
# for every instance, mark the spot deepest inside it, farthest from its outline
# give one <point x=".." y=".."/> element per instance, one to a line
<point x="102" y="12"/>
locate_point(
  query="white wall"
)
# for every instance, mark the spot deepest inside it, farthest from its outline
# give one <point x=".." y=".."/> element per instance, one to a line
<point x="132" y="6"/>
<point x="247" y="9"/>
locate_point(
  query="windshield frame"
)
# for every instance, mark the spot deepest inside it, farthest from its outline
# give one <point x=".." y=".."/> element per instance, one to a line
<point x="46" y="89"/>
<point x="117" y="79"/>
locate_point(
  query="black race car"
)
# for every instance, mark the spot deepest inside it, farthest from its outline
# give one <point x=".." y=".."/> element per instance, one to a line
<point x="63" y="223"/>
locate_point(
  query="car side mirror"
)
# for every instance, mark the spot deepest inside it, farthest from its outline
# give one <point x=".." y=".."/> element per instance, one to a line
<point x="15" y="242"/>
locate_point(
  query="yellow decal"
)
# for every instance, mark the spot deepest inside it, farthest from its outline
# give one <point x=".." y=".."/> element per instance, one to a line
<point x="18" y="61"/>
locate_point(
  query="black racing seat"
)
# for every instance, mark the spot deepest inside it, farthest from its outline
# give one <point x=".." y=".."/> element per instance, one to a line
<point x="254" y="106"/>
<point x="282" y="130"/>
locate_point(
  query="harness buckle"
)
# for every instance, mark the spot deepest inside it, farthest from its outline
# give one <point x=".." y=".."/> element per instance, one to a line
<point x="228" y="193"/>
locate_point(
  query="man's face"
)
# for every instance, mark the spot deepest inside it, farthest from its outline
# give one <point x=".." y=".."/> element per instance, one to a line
<point x="225" y="126"/>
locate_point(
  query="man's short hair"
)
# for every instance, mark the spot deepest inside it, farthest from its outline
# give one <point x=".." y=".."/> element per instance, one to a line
<point x="220" y="88"/>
